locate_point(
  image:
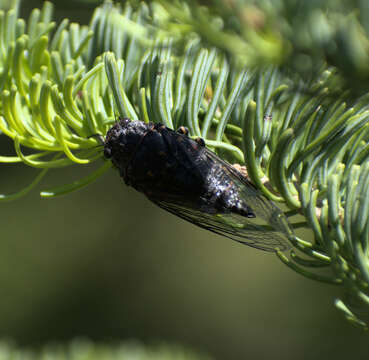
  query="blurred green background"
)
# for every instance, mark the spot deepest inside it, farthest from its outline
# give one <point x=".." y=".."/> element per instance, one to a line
<point x="106" y="264"/>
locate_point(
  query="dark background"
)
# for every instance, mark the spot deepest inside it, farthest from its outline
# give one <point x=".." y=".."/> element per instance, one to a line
<point x="105" y="263"/>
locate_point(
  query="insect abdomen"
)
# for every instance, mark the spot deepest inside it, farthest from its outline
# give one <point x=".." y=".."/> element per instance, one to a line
<point x="223" y="195"/>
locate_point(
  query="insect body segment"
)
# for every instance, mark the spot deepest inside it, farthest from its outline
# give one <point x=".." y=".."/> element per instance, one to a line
<point x="185" y="178"/>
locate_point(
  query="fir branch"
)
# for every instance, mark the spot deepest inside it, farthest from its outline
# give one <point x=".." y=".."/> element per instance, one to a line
<point x="306" y="149"/>
<point x="300" y="36"/>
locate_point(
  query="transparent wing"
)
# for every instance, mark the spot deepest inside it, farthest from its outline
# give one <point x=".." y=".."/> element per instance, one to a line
<point x="264" y="209"/>
<point x="236" y="227"/>
<point x="268" y="230"/>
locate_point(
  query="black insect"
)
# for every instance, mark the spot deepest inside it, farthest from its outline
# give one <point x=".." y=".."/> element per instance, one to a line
<point x="185" y="178"/>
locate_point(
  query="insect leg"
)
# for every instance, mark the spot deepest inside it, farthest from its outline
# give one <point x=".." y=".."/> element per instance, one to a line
<point x="200" y="141"/>
<point x="183" y="130"/>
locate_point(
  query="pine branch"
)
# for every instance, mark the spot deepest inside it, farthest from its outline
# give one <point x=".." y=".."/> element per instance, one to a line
<point x="303" y="146"/>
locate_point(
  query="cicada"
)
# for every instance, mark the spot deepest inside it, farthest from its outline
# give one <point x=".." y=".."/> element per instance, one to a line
<point x="182" y="176"/>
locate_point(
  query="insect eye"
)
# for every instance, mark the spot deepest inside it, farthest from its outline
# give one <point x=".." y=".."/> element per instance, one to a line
<point x="107" y="153"/>
<point x="124" y="121"/>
